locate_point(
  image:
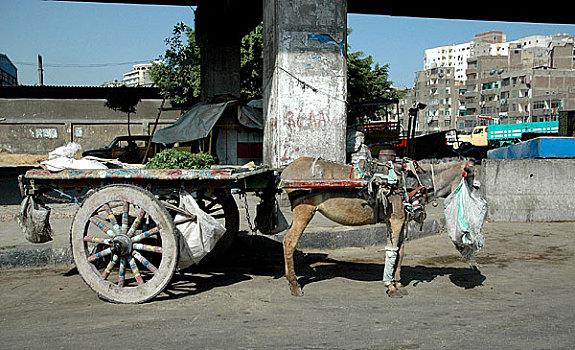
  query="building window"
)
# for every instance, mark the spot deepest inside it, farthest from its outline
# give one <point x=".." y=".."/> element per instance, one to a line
<point x="538" y="105"/>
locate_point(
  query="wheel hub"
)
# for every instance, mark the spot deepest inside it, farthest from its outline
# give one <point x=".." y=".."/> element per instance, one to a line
<point x="122" y="245"/>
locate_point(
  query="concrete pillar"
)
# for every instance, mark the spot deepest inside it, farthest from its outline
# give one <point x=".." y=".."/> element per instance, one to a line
<point x="220" y="26"/>
<point x="220" y="75"/>
<point x="304" y="80"/>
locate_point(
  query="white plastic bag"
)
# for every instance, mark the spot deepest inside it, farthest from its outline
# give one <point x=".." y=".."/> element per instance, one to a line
<point x="34" y="219"/>
<point x="464" y="216"/>
<point x="198" y="237"/>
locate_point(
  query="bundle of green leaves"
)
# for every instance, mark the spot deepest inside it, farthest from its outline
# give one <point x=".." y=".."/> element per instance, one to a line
<point x="174" y="159"/>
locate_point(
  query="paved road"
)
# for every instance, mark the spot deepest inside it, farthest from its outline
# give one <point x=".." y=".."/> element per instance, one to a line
<point x="522" y="298"/>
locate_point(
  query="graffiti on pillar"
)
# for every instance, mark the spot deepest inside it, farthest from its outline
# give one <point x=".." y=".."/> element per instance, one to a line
<point x="327" y="39"/>
<point x="306" y="120"/>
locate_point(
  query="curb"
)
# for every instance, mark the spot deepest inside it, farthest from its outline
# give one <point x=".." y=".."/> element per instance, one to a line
<point x="361" y="236"/>
<point x="18" y="258"/>
<point x="316" y="238"/>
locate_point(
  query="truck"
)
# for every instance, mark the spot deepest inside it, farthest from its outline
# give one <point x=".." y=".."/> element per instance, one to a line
<point x="496" y="135"/>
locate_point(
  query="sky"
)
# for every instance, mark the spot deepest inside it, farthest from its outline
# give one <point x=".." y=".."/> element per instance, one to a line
<point x="87" y="44"/>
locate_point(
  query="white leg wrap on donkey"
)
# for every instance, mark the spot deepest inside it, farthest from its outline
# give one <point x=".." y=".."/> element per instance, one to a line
<point x="390" y="262"/>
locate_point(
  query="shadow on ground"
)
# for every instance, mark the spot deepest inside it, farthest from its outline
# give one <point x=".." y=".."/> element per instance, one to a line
<point x="262" y="256"/>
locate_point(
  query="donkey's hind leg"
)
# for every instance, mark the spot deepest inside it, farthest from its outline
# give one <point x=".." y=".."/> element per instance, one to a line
<point x="302" y="214"/>
<point x="393" y="252"/>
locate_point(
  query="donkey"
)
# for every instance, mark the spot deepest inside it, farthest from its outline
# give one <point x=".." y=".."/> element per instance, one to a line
<point x="349" y="207"/>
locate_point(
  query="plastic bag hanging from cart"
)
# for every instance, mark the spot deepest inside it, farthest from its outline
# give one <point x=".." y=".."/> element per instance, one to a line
<point x="198" y="237"/>
<point x="464" y="216"/>
<point x="34" y="220"/>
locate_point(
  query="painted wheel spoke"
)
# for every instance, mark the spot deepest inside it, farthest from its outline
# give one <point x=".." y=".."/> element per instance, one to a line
<point x="125" y="217"/>
<point x="100" y="254"/>
<point x="102" y="226"/>
<point x="122" y="272"/>
<point x="147" y="248"/>
<point x="136" y="271"/>
<point x="145" y="234"/>
<point x="97" y="240"/>
<point x="112" y="217"/>
<point x="147" y="264"/>
<point x="109" y="268"/>
<point x="136" y="223"/>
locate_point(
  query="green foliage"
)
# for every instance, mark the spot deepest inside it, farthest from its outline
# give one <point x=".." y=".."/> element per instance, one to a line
<point x="123" y="99"/>
<point x="177" y="73"/>
<point x="366" y="81"/>
<point x="174" y="159"/>
<point x="252" y="64"/>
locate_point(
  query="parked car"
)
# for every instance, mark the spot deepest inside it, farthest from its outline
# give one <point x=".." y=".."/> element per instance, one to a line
<point x="120" y="148"/>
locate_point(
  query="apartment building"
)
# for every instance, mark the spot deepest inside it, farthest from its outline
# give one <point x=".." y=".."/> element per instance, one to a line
<point x="492" y="43"/>
<point x="529" y="79"/>
<point x="533" y="83"/>
<point x="8" y="72"/>
<point x="138" y="76"/>
<point x="439" y="90"/>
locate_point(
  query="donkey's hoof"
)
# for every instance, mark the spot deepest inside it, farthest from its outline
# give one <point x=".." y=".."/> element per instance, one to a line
<point x="394" y="293"/>
<point x="401" y="289"/>
<point x="296" y="289"/>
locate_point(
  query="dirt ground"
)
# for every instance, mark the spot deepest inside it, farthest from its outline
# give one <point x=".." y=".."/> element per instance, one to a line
<point x="9" y="159"/>
<point x="521" y="297"/>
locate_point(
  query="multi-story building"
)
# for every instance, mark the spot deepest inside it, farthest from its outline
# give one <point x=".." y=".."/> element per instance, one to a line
<point x="481" y="97"/>
<point x="485" y="44"/>
<point x="530" y="79"/>
<point x="8" y="72"/>
<point x="138" y="76"/>
<point x="533" y="83"/>
<point x="438" y="89"/>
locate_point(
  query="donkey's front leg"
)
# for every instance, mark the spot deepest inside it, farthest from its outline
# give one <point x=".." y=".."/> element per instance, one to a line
<point x="397" y="277"/>
<point x="393" y="255"/>
<point x="302" y="214"/>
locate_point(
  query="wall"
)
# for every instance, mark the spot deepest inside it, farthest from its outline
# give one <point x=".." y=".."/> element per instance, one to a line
<point x="529" y="190"/>
<point x="37" y="126"/>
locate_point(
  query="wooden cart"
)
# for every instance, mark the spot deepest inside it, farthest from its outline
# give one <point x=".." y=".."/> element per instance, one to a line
<point x="123" y="236"/>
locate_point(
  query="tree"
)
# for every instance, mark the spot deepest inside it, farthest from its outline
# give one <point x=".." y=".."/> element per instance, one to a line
<point x="177" y="73"/>
<point x="125" y="99"/>
<point x="367" y="81"/>
<point x="252" y="64"/>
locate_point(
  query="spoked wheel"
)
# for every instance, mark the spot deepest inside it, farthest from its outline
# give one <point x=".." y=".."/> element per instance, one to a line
<point x="124" y="244"/>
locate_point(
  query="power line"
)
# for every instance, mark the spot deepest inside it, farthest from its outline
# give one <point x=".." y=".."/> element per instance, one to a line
<point x="82" y="65"/>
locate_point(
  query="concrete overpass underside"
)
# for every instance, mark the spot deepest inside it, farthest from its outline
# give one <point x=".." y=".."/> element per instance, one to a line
<point x="304" y="80"/>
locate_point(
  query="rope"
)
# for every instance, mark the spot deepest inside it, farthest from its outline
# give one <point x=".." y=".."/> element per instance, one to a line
<point x="74" y="199"/>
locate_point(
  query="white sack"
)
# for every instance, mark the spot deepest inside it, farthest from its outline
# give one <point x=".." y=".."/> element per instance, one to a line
<point x="464" y="216"/>
<point x="197" y="238"/>
<point x="63" y="163"/>
<point x="62" y="158"/>
<point x="68" y="151"/>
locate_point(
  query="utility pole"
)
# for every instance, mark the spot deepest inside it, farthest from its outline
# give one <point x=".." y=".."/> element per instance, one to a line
<point x="40" y="71"/>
